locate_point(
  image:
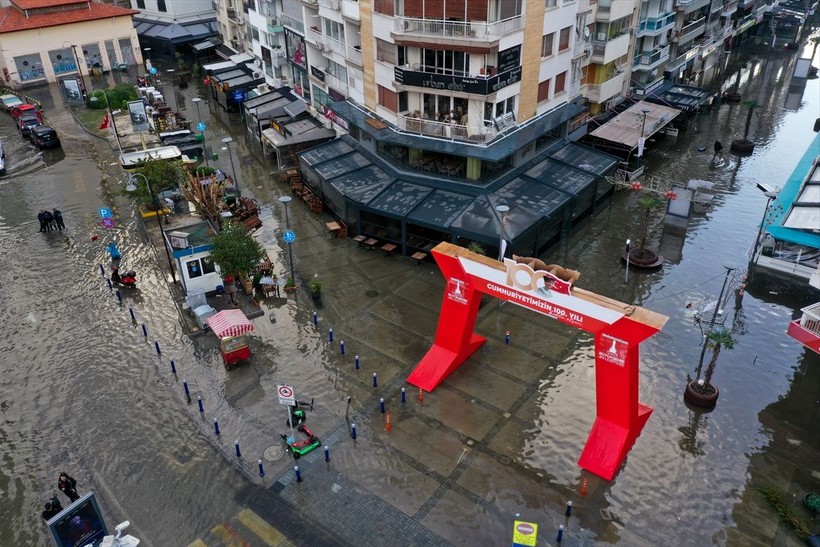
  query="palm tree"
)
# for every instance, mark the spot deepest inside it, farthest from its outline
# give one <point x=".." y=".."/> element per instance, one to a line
<point x="641" y="254"/>
<point x="744" y="145"/>
<point x="715" y="340"/>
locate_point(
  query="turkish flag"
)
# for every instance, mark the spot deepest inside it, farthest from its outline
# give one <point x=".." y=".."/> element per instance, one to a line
<point x="105" y="122"/>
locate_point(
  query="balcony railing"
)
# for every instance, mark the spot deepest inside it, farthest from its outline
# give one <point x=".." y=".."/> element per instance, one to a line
<point x="653" y="24"/>
<point x="468" y="30"/>
<point x="295" y="24"/>
<point x="445" y="130"/>
<point x="729" y="8"/>
<point x="688" y="31"/>
<point x="599" y="93"/>
<point x="647" y="59"/>
<point x="275" y="25"/>
<point x="336" y="83"/>
<point x="354" y="54"/>
<point x="811" y="318"/>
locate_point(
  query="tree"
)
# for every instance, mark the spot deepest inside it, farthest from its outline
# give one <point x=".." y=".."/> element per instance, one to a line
<point x="716" y="340"/>
<point x="751" y="105"/>
<point x="649" y="204"/>
<point x="235" y="250"/>
<point x="161" y="174"/>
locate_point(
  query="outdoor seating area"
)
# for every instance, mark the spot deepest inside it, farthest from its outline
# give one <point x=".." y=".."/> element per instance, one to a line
<point x="441" y="164"/>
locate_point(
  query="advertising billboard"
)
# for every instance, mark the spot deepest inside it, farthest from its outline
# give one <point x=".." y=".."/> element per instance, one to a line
<point x="79" y="524"/>
<point x="139" y="119"/>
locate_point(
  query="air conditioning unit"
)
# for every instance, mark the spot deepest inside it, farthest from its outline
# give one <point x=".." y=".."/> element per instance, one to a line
<point x="321" y="45"/>
<point x="256" y="75"/>
<point x="178" y="240"/>
<point x="263" y="88"/>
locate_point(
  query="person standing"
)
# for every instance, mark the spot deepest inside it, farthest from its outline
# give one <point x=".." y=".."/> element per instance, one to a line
<point x="68" y="486"/>
<point x="718" y="150"/>
<point x="58" y="219"/>
<point x="41" y="216"/>
<point x="49" y="218"/>
<point x="52" y="509"/>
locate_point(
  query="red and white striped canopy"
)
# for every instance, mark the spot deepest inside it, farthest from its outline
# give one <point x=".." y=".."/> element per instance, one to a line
<point x="229" y="323"/>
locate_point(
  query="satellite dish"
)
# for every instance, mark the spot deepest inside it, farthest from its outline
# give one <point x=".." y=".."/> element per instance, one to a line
<point x="586" y="33"/>
<point x="258" y="63"/>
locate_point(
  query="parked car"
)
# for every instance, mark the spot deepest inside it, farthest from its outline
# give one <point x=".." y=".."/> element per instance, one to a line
<point x="43" y="136"/>
<point x="26" y="121"/>
<point x="8" y="101"/>
<point x="21" y="109"/>
<point x="2" y="159"/>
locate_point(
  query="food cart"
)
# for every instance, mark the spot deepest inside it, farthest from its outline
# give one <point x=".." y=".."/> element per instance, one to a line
<point x="231" y="327"/>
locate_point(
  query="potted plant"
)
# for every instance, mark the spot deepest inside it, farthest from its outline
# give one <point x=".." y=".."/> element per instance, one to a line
<point x="290" y="284"/>
<point x="642" y="256"/>
<point x="316" y="289"/>
<point x="477" y="248"/>
<point x="734" y="96"/>
<point x="812" y="502"/>
<point x="700" y="391"/>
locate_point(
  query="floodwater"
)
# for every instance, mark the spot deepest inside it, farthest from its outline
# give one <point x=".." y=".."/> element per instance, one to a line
<point x="83" y="390"/>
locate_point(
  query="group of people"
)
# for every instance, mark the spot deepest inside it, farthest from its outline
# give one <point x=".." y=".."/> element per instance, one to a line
<point x="68" y="486"/>
<point x="51" y="220"/>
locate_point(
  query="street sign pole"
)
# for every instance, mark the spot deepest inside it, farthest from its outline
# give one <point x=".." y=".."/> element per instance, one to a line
<point x="287" y="398"/>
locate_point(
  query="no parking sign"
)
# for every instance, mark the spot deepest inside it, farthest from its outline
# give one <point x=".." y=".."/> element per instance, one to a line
<point x="286" y="395"/>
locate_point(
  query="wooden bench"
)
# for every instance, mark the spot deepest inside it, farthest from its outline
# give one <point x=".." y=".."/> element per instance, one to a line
<point x="418" y="257"/>
<point x="388" y="248"/>
<point x="252" y="223"/>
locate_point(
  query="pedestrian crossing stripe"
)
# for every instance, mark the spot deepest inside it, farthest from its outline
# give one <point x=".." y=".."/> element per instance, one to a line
<point x="229" y="536"/>
<point x="267" y="533"/>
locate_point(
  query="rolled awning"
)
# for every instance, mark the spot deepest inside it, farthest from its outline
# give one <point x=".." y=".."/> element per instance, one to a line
<point x="229" y="323"/>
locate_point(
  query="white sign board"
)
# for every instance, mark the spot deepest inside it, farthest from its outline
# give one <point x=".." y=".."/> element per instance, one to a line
<point x="286" y="395"/>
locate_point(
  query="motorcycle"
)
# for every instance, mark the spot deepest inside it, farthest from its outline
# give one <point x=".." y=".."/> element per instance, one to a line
<point x="126" y="279"/>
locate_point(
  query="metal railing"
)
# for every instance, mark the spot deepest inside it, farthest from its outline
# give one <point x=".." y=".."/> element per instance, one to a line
<point x="651" y="24"/>
<point x="811" y="318"/>
<point x="445" y="130"/>
<point x="470" y="30"/>
<point x="295" y="24"/>
<point x="650" y="58"/>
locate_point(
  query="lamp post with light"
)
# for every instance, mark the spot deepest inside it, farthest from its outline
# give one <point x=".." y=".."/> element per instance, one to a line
<point x="201" y="128"/>
<point x="504" y="211"/>
<point x="227" y="142"/>
<point x="770" y="194"/>
<point x="286" y="201"/>
<point x="77" y="60"/>
<point x="131" y="187"/>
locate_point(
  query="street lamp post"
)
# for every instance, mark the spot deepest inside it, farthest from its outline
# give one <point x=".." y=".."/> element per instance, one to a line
<point x="645" y="111"/>
<point x="730" y="267"/>
<point x="227" y="141"/>
<point x="131" y="187"/>
<point x="770" y="194"/>
<point x="79" y="70"/>
<point x="201" y="127"/>
<point x="504" y="211"/>
<point x="170" y="72"/>
<point x="111" y="117"/>
<point x="286" y="201"/>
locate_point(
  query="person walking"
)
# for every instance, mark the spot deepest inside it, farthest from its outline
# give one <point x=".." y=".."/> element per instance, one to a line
<point x="58" y="219"/>
<point x="718" y="150"/>
<point x="68" y="486"/>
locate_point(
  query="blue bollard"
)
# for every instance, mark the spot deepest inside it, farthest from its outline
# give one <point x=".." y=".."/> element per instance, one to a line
<point x="560" y="535"/>
<point x="375" y="380"/>
<point x="507" y="337"/>
<point x="403" y="396"/>
<point x="381" y="404"/>
<point x="110" y="285"/>
<point x="315" y="319"/>
<point x="102" y="270"/>
<point x="133" y="317"/>
<point x="298" y="473"/>
<point x="173" y="367"/>
<point x="199" y="402"/>
<point x="156" y="347"/>
<point x="342" y="347"/>
<point x="261" y="469"/>
<point x="187" y="391"/>
<point x="568" y="512"/>
<point x="236" y="446"/>
<point x="353" y="431"/>
<point x="357" y="362"/>
<point x="330" y="334"/>
<point x="145" y="331"/>
<point x="216" y="427"/>
<point x="119" y="296"/>
<point x="327" y="453"/>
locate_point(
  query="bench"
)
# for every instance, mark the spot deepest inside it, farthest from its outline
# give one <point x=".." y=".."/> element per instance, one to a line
<point x="388" y="248"/>
<point x="371" y="242"/>
<point x="252" y="223"/>
<point x="360" y="239"/>
<point x="418" y="257"/>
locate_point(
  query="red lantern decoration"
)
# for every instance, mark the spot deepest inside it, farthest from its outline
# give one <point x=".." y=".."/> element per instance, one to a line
<point x="636" y="186"/>
<point x="671" y="195"/>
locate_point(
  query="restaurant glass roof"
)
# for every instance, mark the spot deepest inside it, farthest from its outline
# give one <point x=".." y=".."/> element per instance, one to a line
<point x="363" y="185"/>
<point x="560" y="176"/>
<point x="439" y="209"/>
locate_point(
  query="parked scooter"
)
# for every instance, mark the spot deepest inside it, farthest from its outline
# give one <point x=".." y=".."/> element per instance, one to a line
<point x="126" y="279"/>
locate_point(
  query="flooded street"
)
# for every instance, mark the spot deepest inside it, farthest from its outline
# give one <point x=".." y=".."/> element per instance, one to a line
<point x="83" y="390"/>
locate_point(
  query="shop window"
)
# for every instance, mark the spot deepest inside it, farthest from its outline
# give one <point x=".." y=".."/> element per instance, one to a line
<point x="29" y="67"/>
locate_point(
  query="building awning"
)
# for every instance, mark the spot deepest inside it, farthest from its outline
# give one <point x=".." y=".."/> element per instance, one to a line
<point x="175" y="32"/>
<point x="202" y="46"/>
<point x="625" y="128"/>
<point x="683" y="97"/>
<point x="225" y="52"/>
<point x="229" y="323"/>
<point x="213" y="67"/>
<point x="295" y="108"/>
<point x="241" y="58"/>
<point x="299" y="134"/>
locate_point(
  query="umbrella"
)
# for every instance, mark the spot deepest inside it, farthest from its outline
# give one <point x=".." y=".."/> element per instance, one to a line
<point x="267" y="280"/>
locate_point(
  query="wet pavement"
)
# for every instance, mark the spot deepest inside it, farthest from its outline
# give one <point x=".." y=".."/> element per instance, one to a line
<point x="85" y="390"/>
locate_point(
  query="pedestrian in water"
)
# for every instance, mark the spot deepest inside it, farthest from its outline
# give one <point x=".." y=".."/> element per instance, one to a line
<point x="58" y="219"/>
<point x="68" y="486"/>
<point x="49" y="218"/>
<point x="718" y="150"/>
<point x="53" y="508"/>
<point x="41" y="216"/>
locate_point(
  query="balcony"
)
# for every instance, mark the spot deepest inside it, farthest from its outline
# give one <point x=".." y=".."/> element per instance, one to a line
<point x="234" y="16"/>
<point x="612" y="10"/>
<point x="442" y="130"/>
<point x="354" y="55"/>
<point x="350" y="9"/>
<point x="275" y="25"/>
<point x="469" y="31"/>
<point x="682" y="59"/>
<point x="690" y="6"/>
<point x="600" y="93"/>
<point x="606" y="51"/>
<point x="292" y="23"/>
<point x="689" y="31"/>
<point x="478" y="84"/>
<point x="656" y="25"/>
<point x="336" y="84"/>
<point x="315" y="36"/>
<point x="649" y="60"/>
<point x="806" y="329"/>
<point x="729" y="8"/>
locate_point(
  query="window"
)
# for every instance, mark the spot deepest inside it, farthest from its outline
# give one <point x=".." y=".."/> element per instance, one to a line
<point x="403" y="105"/>
<point x="194" y="269"/>
<point x="546" y="44"/>
<point x="551" y="3"/>
<point x="544" y="91"/>
<point x="505" y="107"/>
<point x="385" y="51"/>
<point x="563" y="40"/>
<point x="161" y="5"/>
<point x="388" y="99"/>
<point x="446" y="62"/>
<point x="335" y="30"/>
<point x="208" y="265"/>
<point x="560" y="83"/>
<point x="140" y="4"/>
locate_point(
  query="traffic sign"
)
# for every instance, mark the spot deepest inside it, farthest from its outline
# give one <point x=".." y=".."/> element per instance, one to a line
<point x="105" y="212"/>
<point x="286" y="396"/>
<point x="525" y="534"/>
<point x="201" y="127"/>
<point x="289" y="236"/>
<point x="107" y="223"/>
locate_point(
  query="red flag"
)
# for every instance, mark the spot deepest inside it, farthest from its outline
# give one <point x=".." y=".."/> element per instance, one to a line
<point x="105" y="122"/>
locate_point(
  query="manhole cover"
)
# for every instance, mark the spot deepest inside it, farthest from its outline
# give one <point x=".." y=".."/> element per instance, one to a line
<point x="371" y="293"/>
<point x="274" y="453"/>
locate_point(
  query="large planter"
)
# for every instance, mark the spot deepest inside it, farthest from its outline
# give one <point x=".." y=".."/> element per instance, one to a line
<point x="695" y="396"/>
<point x="644" y="258"/>
<point x="247" y="284"/>
<point x="742" y="147"/>
<point x="732" y="97"/>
